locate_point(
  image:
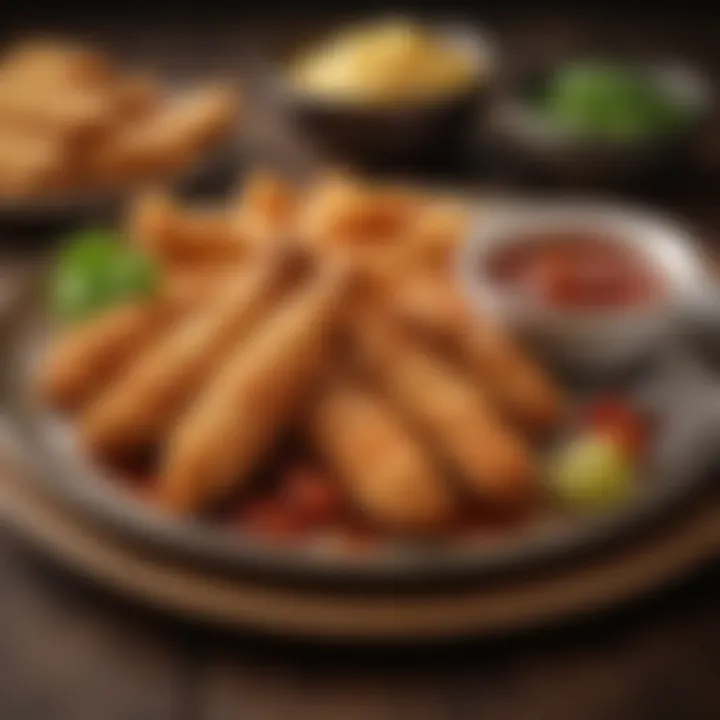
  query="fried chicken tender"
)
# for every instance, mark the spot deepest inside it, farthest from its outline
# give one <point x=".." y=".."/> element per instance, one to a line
<point x="172" y="138"/>
<point x="181" y="235"/>
<point x="457" y="418"/>
<point x="382" y="465"/>
<point x="235" y="420"/>
<point x="521" y="387"/>
<point x="146" y="400"/>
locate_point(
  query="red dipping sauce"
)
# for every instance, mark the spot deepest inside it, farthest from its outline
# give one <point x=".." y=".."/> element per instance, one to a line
<point x="576" y="270"/>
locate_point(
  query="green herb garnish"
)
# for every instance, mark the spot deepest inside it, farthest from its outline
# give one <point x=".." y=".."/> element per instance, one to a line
<point x="611" y="101"/>
<point x="97" y="270"/>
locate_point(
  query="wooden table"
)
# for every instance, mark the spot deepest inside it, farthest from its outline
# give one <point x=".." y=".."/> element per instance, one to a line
<point x="70" y="652"/>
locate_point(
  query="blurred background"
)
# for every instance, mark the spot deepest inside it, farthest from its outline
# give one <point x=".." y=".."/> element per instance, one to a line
<point x="71" y="652"/>
<point x="241" y="43"/>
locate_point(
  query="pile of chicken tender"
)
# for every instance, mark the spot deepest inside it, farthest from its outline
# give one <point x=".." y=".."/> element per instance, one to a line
<point x="329" y="313"/>
<point x="72" y="121"/>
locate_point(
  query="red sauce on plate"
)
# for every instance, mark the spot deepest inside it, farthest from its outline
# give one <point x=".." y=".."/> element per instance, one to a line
<point x="577" y="270"/>
<point x="303" y="502"/>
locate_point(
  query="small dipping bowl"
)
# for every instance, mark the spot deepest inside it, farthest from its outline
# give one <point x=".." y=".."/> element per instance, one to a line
<point x="591" y="287"/>
<point x="534" y="142"/>
<point x="404" y="130"/>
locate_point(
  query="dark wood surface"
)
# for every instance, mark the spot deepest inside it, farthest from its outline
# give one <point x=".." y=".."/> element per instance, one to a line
<point x="70" y="652"/>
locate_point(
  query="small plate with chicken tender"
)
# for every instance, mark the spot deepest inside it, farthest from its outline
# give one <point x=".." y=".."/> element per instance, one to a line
<point x="293" y="383"/>
<point x="77" y="132"/>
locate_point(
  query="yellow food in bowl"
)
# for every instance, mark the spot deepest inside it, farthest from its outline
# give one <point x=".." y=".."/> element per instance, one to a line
<point x="385" y="63"/>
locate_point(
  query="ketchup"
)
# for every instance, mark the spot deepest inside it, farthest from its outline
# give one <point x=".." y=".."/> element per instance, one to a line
<point x="576" y="270"/>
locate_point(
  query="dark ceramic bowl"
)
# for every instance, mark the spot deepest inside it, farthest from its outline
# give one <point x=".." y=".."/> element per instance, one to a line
<point x="391" y="133"/>
<point x="533" y="144"/>
<point x="682" y="397"/>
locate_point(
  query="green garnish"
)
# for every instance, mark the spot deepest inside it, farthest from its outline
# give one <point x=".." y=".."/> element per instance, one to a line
<point x="591" y="473"/>
<point x="98" y="270"/>
<point x="611" y="101"/>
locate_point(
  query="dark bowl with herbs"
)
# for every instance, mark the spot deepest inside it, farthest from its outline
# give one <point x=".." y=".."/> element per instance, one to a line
<point x="598" y="120"/>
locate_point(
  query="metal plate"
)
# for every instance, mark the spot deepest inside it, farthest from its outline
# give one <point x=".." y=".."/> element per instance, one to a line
<point x="651" y="562"/>
<point x="681" y="393"/>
